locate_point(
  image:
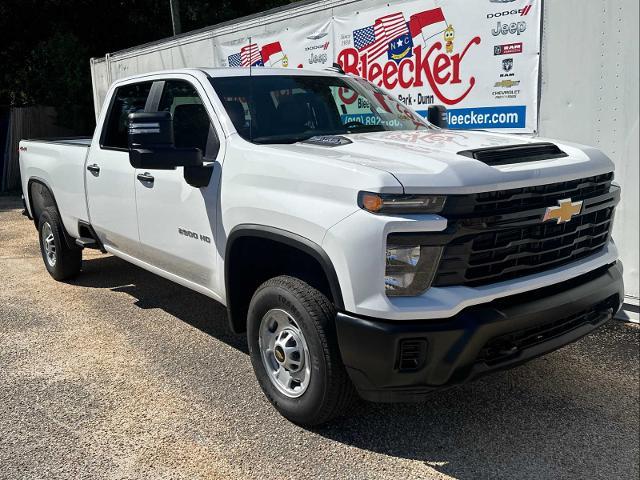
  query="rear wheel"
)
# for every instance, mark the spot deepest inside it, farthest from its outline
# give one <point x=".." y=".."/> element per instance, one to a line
<point x="61" y="262"/>
<point x="294" y="352"/>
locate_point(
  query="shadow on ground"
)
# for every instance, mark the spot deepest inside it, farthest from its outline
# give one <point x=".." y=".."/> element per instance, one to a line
<point x="565" y="415"/>
<point x="8" y="203"/>
<point x="152" y="291"/>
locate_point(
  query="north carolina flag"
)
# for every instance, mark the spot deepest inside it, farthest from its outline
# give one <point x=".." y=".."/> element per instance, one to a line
<point x="272" y="54"/>
<point x="375" y="40"/>
<point x="428" y="23"/>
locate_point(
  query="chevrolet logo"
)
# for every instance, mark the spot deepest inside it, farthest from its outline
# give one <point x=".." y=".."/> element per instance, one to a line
<point x="564" y="212"/>
<point x="507" y="83"/>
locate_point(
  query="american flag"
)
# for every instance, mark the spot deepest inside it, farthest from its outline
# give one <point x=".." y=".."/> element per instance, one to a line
<point x="251" y="55"/>
<point x="235" y="60"/>
<point x="374" y="40"/>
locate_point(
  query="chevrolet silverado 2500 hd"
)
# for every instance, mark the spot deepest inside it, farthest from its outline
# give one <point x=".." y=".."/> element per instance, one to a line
<point x="362" y="248"/>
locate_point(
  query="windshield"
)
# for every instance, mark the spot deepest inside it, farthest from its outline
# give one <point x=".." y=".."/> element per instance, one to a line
<point x="289" y="108"/>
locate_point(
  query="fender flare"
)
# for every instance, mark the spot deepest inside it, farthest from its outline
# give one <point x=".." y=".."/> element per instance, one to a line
<point x="28" y="198"/>
<point x="292" y="240"/>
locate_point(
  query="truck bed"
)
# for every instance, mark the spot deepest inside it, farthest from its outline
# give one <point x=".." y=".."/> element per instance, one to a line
<point x="59" y="164"/>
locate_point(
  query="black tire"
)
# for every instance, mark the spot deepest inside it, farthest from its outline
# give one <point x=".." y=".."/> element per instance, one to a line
<point x="68" y="261"/>
<point x="330" y="392"/>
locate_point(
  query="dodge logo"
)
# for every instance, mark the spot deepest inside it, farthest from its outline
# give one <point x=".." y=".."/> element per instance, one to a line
<point x="564" y="212"/>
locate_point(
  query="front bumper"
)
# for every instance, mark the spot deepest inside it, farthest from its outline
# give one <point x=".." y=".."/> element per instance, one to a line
<point x="391" y="361"/>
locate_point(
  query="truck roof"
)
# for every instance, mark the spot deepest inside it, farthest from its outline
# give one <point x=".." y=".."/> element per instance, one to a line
<point x="266" y="71"/>
<point x="238" y="72"/>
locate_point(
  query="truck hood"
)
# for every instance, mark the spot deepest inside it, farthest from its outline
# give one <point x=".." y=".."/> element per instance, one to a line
<point x="429" y="161"/>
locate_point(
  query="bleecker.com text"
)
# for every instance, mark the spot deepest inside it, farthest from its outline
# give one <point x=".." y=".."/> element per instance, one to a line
<point x="434" y="67"/>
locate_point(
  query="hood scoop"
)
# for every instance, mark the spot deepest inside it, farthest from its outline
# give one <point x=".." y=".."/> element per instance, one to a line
<point x="508" y="155"/>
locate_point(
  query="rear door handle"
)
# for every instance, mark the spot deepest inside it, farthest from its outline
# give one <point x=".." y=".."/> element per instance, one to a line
<point x="146" y="177"/>
<point x="95" y="169"/>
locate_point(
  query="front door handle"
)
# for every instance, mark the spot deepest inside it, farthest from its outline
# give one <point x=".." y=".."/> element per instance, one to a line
<point x="95" y="169"/>
<point x="146" y="177"/>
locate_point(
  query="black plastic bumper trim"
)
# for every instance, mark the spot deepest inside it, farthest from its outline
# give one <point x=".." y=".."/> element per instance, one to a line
<point x="370" y="347"/>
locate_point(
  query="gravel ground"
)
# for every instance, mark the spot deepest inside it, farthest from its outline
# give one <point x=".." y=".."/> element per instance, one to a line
<point x="121" y="374"/>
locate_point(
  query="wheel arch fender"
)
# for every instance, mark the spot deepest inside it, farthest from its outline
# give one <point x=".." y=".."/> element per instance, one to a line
<point x="283" y="238"/>
<point x="43" y="199"/>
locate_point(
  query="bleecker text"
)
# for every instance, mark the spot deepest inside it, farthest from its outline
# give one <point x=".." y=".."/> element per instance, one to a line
<point x="434" y="67"/>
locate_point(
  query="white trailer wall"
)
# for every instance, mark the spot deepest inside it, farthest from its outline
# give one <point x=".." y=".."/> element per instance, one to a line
<point x="588" y="91"/>
<point x="589" y="94"/>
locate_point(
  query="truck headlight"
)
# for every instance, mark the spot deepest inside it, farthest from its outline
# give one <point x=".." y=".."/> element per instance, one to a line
<point x="399" y="204"/>
<point x="410" y="269"/>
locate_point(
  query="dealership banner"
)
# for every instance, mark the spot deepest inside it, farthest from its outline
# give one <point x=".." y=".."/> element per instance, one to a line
<point x="308" y="47"/>
<point x="480" y="59"/>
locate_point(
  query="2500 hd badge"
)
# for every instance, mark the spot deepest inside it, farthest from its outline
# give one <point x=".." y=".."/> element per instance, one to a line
<point x="188" y="233"/>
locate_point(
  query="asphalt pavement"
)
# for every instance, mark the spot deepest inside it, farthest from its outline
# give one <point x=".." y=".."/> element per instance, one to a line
<point x="120" y="374"/>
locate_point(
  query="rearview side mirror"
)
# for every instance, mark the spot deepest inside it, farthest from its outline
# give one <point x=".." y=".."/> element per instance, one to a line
<point x="437" y="115"/>
<point x="151" y="143"/>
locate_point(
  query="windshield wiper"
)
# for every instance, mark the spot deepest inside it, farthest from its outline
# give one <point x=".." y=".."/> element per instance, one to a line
<point x="285" y="139"/>
<point x="365" y="129"/>
<point x="289" y="139"/>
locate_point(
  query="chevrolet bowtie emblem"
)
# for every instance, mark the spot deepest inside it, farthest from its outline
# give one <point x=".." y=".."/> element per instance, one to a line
<point x="564" y="212"/>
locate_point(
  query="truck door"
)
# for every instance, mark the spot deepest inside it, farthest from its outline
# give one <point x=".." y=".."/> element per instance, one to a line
<point x="176" y="220"/>
<point x="110" y="177"/>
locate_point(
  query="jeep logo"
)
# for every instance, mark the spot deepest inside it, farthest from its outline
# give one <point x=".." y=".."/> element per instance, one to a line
<point x="509" y="28"/>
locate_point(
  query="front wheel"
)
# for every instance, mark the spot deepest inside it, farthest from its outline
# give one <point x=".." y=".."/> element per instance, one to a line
<point x="61" y="262"/>
<point x="294" y="352"/>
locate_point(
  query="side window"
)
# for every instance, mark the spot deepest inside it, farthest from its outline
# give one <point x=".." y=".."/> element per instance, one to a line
<point x="127" y="99"/>
<point x="191" y="124"/>
<point x="238" y="110"/>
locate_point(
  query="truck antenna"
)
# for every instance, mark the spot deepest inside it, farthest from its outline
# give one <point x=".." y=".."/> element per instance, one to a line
<point x="250" y="103"/>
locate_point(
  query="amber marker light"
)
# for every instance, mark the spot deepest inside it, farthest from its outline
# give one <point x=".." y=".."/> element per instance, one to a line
<point x="400" y="204"/>
<point x="371" y="202"/>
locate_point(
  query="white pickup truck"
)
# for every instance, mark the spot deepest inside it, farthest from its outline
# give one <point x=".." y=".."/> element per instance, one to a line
<point x="362" y="248"/>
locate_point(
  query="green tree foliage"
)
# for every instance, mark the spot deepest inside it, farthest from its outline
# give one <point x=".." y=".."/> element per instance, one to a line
<point x="45" y="45"/>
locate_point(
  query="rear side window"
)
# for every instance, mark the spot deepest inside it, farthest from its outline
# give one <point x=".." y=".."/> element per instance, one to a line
<point x="191" y="124"/>
<point x="127" y="99"/>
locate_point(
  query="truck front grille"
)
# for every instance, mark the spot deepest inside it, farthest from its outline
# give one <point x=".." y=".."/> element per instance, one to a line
<point x="499" y="236"/>
<point x="505" y="254"/>
<point x="527" y="198"/>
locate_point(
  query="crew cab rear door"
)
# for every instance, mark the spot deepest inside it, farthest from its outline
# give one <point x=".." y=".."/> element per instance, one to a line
<point x="110" y="178"/>
<point x="177" y="221"/>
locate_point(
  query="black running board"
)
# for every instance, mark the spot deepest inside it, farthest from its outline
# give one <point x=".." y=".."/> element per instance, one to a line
<point x="25" y="212"/>
<point x="85" y="242"/>
<point x="90" y="241"/>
